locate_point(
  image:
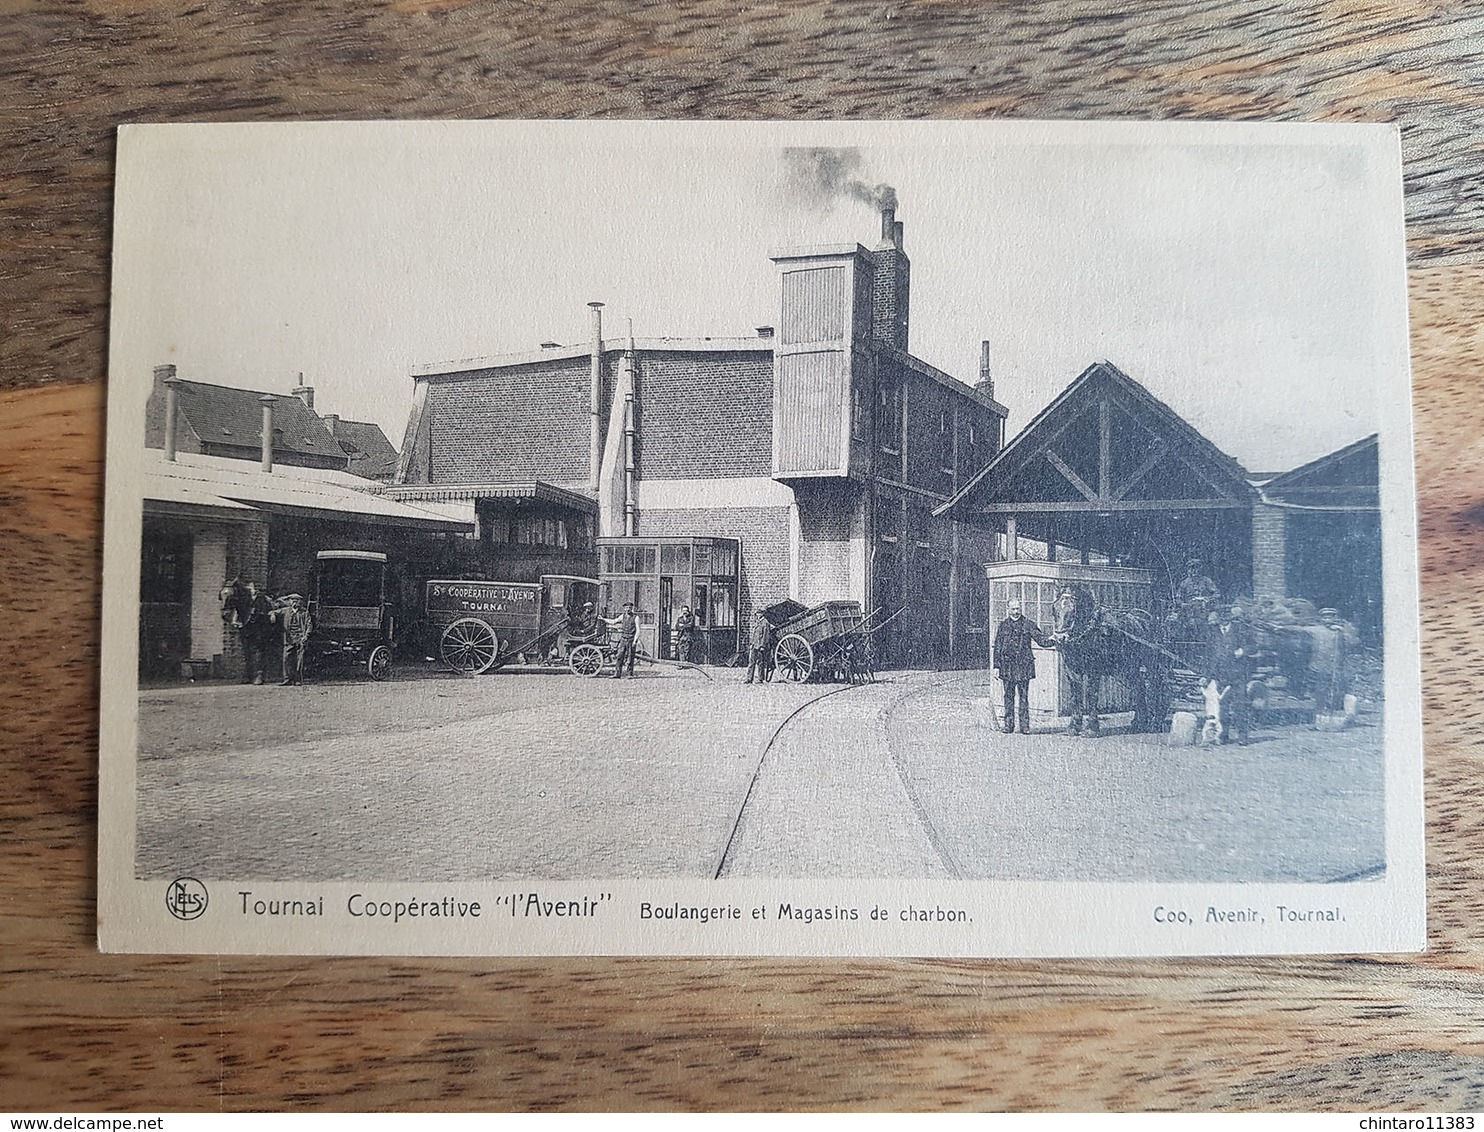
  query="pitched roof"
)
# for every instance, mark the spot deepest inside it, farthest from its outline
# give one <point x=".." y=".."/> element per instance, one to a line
<point x="371" y="453"/>
<point x="1351" y="469"/>
<point x="1220" y="473"/>
<point x="227" y="485"/>
<point x="224" y="415"/>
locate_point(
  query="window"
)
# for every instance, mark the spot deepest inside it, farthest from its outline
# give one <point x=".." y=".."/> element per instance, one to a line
<point x="723" y="560"/>
<point x="723" y="605"/>
<point x="628" y="560"/>
<point x="675" y="559"/>
<point x="349" y="581"/>
<point x="889" y="416"/>
<point x="165" y="567"/>
<point x="536" y="530"/>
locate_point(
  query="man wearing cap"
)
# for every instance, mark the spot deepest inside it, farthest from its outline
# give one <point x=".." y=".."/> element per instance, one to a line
<point x="1016" y="664"/>
<point x="626" y="628"/>
<point x="297" y="625"/>
<point x="1229" y="662"/>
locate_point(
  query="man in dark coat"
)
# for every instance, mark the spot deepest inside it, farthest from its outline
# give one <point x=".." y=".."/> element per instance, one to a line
<point x="257" y="631"/>
<point x="759" y="637"/>
<point x="1229" y="650"/>
<point x="685" y="634"/>
<point x="1016" y="664"/>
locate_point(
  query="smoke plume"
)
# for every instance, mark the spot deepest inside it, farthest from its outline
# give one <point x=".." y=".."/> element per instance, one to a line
<point x="821" y="177"/>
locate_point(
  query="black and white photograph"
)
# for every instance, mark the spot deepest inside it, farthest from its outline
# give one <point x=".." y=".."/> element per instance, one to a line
<point x="812" y="538"/>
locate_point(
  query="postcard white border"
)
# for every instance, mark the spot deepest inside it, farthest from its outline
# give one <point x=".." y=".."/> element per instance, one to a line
<point x="1386" y="914"/>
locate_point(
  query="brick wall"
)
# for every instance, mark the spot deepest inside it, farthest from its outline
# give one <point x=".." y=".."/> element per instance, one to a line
<point x="1269" y="551"/>
<point x="513" y="424"/>
<point x="890" y="307"/>
<point x="764" y="535"/>
<point x="705" y="415"/>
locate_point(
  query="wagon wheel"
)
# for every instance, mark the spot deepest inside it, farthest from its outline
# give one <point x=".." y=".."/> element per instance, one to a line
<point x="469" y="646"/>
<point x="585" y="660"/>
<point x="379" y="663"/>
<point x="794" y="657"/>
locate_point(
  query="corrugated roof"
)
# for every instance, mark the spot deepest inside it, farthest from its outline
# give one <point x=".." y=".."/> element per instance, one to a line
<point x="222" y="482"/>
<point x="221" y="414"/>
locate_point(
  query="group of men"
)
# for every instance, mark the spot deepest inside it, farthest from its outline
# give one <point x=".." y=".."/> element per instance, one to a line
<point x="1228" y="641"/>
<point x="260" y="621"/>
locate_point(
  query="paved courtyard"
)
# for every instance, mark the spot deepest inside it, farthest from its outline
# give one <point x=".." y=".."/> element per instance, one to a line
<point x="684" y="774"/>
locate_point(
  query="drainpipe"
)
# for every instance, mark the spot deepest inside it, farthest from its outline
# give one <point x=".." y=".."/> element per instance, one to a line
<point x="266" y="400"/>
<point x="628" y="466"/>
<point x="172" y="410"/>
<point x="595" y="437"/>
<point x="629" y="431"/>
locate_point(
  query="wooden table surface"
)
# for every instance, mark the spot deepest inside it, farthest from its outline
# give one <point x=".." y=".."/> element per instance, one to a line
<point x="80" y="1029"/>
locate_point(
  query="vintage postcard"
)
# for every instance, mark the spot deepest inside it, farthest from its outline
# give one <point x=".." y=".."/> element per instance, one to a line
<point x="944" y="539"/>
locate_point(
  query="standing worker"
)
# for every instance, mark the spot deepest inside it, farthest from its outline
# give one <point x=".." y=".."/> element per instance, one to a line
<point x="626" y="628"/>
<point x="1016" y="664"/>
<point x="1229" y="662"/>
<point x="297" y="625"/>
<point x="257" y="633"/>
<point x="685" y="634"/>
<point x="759" y="633"/>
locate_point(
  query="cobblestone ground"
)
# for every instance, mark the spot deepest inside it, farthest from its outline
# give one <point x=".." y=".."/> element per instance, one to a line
<point x="1293" y="805"/>
<point x="439" y="777"/>
<point x="509" y="775"/>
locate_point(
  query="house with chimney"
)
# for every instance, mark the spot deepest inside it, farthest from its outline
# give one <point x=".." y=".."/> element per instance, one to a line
<point x="227" y="421"/>
<point x="241" y="484"/>
<point x="801" y="462"/>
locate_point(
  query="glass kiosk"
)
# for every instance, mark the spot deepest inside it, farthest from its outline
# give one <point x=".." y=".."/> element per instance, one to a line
<point x="661" y="575"/>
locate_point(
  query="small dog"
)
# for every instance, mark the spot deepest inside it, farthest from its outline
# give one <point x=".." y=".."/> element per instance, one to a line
<point x="1214" y="728"/>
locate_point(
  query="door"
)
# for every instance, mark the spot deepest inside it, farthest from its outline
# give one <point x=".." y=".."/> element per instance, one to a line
<point x="662" y="630"/>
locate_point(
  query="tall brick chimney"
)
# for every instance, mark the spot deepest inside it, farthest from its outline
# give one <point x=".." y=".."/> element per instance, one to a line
<point x="891" y="284"/>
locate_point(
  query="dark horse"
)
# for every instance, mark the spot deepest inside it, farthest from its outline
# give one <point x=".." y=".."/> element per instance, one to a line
<point x="1095" y="643"/>
<point x="254" y="626"/>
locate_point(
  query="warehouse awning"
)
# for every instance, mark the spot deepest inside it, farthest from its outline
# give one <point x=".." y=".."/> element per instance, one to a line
<point x="225" y="488"/>
<point x="1110" y="470"/>
<point x="457" y="492"/>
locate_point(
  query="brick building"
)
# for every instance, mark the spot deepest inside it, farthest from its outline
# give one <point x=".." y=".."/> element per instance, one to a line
<point x="820" y="444"/>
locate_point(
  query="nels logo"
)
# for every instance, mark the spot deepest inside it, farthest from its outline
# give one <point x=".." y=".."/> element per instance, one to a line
<point x="185" y="898"/>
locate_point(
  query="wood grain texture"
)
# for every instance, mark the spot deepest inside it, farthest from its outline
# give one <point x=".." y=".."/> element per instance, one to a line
<point x="79" y="1029"/>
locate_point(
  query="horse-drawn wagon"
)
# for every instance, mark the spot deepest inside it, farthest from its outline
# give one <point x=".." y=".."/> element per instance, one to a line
<point x="483" y="625"/>
<point x="354" y="618"/>
<point x="829" y="640"/>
